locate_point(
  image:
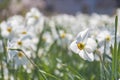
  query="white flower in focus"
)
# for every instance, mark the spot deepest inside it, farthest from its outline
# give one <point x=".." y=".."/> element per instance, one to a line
<point x="84" y="46"/>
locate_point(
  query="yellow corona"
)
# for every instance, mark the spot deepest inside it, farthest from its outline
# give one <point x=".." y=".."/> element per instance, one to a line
<point x="81" y="45"/>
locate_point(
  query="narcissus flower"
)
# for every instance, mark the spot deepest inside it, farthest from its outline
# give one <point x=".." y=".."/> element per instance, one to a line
<point x="84" y="46"/>
<point x="105" y="39"/>
<point x="65" y="38"/>
<point x="19" y="57"/>
<point x="7" y="31"/>
<point x="18" y="49"/>
<point x="104" y="36"/>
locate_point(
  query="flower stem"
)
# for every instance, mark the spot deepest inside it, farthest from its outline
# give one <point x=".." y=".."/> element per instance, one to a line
<point x="114" y="52"/>
<point x="35" y="65"/>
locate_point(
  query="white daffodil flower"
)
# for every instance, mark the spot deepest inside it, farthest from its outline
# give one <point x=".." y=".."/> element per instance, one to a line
<point x="24" y="31"/>
<point x="64" y="35"/>
<point x="17" y="49"/>
<point x="7" y="31"/>
<point x="84" y="46"/>
<point x="104" y="36"/>
<point x="25" y="44"/>
<point x="64" y="38"/>
<point x="105" y="40"/>
<point x="21" y="43"/>
<point x="16" y="20"/>
<point x="18" y="58"/>
<point x="47" y="37"/>
<point x="35" y="19"/>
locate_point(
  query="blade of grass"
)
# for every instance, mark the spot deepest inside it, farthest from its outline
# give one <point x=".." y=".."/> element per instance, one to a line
<point x="114" y="56"/>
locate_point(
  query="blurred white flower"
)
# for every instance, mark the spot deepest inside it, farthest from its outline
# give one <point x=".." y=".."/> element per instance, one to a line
<point x="105" y="39"/>
<point x="7" y="31"/>
<point x="64" y="38"/>
<point x="16" y="20"/>
<point x="53" y="30"/>
<point x="84" y="46"/>
<point x="35" y="19"/>
<point x="34" y="12"/>
<point x="64" y="35"/>
<point x="21" y="43"/>
<point x="47" y="37"/>
<point x="104" y="36"/>
<point x="17" y="50"/>
<point x="19" y="57"/>
<point x="16" y="47"/>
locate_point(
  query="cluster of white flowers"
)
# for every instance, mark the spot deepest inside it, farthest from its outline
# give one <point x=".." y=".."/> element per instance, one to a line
<point x="92" y="48"/>
<point x="22" y="34"/>
<point x="95" y="34"/>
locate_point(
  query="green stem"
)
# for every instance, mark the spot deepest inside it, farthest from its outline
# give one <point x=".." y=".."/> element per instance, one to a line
<point x="114" y="56"/>
<point x="2" y="74"/>
<point x="79" y="76"/>
<point x="35" y="65"/>
<point x="44" y="77"/>
<point x="115" y="46"/>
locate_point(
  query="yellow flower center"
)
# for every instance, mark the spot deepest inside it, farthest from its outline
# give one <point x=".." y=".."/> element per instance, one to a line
<point x="9" y="29"/>
<point x="19" y="43"/>
<point x="107" y="38"/>
<point x="44" y="39"/>
<point x="6" y="48"/>
<point x="24" y="32"/>
<point x="81" y="45"/>
<point x="63" y="35"/>
<point x="36" y="17"/>
<point x="20" y="54"/>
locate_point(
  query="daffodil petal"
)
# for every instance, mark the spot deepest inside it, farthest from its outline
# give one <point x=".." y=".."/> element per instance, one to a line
<point x="82" y="55"/>
<point x="74" y="47"/>
<point x="91" y="45"/>
<point x="90" y="56"/>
